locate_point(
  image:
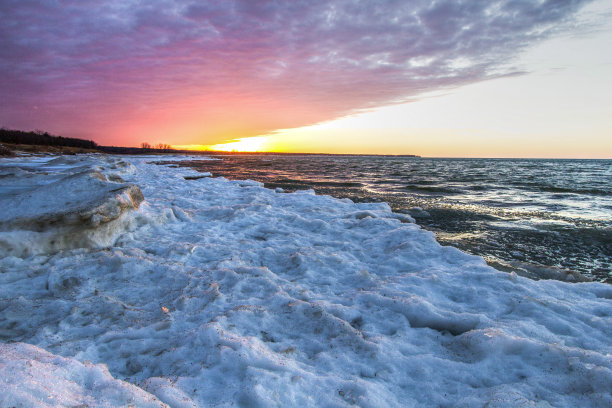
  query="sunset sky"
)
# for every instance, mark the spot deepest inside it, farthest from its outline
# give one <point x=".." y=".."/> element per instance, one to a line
<point x="509" y="78"/>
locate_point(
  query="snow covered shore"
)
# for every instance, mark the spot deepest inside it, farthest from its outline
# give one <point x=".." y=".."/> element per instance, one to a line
<point x="223" y="293"/>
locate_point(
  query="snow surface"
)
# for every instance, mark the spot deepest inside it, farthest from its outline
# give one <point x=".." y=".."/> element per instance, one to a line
<point x="32" y="377"/>
<point x="224" y="293"/>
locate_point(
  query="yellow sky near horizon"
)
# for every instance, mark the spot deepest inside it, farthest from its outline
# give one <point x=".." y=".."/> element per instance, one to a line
<point x="561" y="108"/>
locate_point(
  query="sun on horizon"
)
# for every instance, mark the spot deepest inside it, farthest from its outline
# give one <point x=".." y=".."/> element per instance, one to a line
<point x="243" y="144"/>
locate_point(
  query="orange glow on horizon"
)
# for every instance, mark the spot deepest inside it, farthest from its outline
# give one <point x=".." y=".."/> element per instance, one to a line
<point x="244" y="144"/>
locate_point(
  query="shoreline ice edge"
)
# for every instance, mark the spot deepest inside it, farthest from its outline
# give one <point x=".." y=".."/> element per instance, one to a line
<point x="217" y="292"/>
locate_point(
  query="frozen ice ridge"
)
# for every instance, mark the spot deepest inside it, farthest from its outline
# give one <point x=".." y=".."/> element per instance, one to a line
<point x="63" y="204"/>
<point x="218" y="293"/>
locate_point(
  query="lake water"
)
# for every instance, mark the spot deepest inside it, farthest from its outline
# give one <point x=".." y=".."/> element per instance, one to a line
<point x="538" y="218"/>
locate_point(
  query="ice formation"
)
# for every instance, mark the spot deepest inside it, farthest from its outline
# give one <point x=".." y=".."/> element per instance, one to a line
<point x="223" y="293"/>
<point x="76" y="206"/>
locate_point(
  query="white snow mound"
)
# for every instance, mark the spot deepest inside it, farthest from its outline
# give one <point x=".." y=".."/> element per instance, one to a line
<point x="33" y="377"/>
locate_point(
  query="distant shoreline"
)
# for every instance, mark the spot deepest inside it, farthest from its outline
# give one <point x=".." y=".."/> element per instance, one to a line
<point x="43" y="142"/>
<point x="34" y="148"/>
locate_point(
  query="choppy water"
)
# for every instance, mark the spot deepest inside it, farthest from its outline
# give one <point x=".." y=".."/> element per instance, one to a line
<point x="536" y="217"/>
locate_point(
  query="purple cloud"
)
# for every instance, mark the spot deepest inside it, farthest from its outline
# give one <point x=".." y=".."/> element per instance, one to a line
<point x="89" y="68"/>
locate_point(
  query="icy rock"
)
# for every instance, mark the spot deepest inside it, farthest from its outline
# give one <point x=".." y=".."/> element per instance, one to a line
<point x="418" y="212"/>
<point x="197" y="176"/>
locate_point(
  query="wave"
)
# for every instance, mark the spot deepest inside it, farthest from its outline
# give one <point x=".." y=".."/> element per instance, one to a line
<point x="296" y="184"/>
<point x="433" y="189"/>
<point x="335" y="184"/>
<point x="591" y="191"/>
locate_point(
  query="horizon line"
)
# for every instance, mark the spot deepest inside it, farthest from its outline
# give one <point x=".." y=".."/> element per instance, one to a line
<point x="221" y="152"/>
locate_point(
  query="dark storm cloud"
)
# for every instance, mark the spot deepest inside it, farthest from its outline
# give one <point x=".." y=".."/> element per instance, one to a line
<point x="322" y="59"/>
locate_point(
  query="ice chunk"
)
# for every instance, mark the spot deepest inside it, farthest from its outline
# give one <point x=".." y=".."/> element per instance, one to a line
<point x="81" y="209"/>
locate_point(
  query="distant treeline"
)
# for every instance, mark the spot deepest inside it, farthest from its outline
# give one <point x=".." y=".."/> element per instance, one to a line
<point x="133" y="150"/>
<point x="39" y="137"/>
